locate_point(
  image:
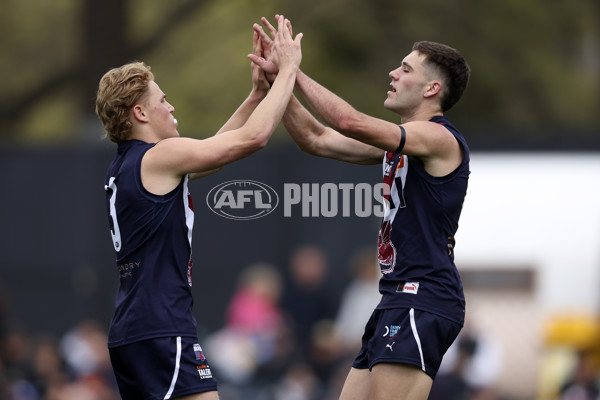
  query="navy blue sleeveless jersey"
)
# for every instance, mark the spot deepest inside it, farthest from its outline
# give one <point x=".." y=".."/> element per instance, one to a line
<point x="152" y="238"/>
<point x="416" y="238"/>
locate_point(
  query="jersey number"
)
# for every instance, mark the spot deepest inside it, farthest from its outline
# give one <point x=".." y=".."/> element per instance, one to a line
<point x="115" y="231"/>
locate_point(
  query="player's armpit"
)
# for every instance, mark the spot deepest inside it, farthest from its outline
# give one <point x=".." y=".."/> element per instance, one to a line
<point x="197" y="175"/>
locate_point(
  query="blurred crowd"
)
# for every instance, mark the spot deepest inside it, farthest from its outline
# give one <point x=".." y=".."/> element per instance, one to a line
<point x="287" y="336"/>
<point x="41" y="367"/>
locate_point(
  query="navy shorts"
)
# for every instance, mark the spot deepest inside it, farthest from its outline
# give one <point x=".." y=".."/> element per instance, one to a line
<point x="406" y="336"/>
<point x="161" y="368"/>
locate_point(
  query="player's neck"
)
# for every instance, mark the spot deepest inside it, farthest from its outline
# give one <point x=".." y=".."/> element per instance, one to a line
<point x="140" y="133"/>
<point x="420" y="115"/>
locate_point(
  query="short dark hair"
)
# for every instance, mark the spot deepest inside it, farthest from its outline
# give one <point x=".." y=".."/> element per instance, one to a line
<point x="453" y="67"/>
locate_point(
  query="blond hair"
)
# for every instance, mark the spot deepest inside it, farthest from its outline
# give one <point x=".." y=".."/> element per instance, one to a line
<point x="119" y="90"/>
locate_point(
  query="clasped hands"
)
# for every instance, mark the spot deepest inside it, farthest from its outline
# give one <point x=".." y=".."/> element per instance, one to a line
<point x="278" y="51"/>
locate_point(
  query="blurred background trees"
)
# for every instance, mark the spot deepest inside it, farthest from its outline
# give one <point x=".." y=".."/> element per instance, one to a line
<point x="535" y="86"/>
<point x="535" y="81"/>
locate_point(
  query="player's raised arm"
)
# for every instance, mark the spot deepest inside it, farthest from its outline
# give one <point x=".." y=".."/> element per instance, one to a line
<point x="341" y="116"/>
<point x="176" y="156"/>
<point x="314" y="138"/>
<point x="417" y="136"/>
<point x="310" y="135"/>
<point x="260" y="88"/>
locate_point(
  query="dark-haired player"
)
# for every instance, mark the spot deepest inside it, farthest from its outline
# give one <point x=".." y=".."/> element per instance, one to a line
<point x="426" y="169"/>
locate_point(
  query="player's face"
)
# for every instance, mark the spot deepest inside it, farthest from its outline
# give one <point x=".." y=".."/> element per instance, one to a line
<point x="160" y="112"/>
<point x="408" y="84"/>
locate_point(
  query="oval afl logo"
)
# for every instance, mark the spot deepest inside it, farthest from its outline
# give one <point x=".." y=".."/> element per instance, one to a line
<point x="242" y="199"/>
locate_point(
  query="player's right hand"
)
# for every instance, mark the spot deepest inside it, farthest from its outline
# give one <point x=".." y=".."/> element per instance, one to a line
<point x="282" y="51"/>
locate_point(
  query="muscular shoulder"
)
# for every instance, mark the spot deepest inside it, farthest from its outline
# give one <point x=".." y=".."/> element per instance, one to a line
<point x="159" y="171"/>
<point x="435" y="145"/>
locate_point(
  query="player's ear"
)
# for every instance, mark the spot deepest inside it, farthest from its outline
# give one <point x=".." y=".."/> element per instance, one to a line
<point x="139" y="113"/>
<point x="433" y="88"/>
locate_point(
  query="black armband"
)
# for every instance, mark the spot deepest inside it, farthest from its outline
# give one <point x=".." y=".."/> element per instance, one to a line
<point x="402" y="139"/>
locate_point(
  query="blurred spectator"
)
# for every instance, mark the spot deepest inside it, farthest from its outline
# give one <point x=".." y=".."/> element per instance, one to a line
<point x="451" y="384"/>
<point x="48" y="366"/>
<point x="85" y="352"/>
<point x="16" y="353"/>
<point x="468" y="369"/>
<point x="326" y="353"/>
<point x="251" y="336"/>
<point x="307" y="298"/>
<point x="299" y="383"/>
<point x="358" y="300"/>
<point x="43" y="368"/>
<point x="87" y="363"/>
<point x="254" y="307"/>
<point x="583" y="382"/>
<point x="483" y="368"/>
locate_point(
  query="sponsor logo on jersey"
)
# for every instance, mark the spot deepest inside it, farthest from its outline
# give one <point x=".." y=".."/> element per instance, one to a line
<point x="386" y="254"/>
<point x="204" y="371"/>
<point x="408" y="287"/>
<point x="199" y="353"/>
<point x="242" y="199"/>
<point x="394" y="169"/>
<point x="126" y="270"/>
<point x="391" y="331"/>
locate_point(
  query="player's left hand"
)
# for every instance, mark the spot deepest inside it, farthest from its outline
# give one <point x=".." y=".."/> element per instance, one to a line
<point x="260" y="83"/>
<point x="265" y="62"/>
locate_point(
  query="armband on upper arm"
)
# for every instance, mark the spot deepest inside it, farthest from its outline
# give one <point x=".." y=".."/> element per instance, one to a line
<point x="402" y="139"/>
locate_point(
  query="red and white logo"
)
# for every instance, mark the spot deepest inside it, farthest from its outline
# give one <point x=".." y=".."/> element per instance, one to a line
<point x="409" y="287"/>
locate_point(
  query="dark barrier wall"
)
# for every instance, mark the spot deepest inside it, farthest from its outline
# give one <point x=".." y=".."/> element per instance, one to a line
<point x="57" y="261"/>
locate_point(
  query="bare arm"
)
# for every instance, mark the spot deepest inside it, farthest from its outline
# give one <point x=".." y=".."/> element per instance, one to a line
<point x="431" y="142"/>
<point x="309" y="134"/>
<point x="314" y="138"/>
<point x="436" y="146"/>
<point x="165" y="164"/>
<point x="260" y="88"/>
<point x="332" y="109"/>
<point x="344" y="118"/>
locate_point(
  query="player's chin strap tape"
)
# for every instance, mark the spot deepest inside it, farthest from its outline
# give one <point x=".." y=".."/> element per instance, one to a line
<point x="402" y="139"/>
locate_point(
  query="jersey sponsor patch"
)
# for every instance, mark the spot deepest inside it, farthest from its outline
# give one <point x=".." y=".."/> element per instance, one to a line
<point x="204" y="371"/>
<point x="392" y="332"/>
<point x="408" y="287"/>
<point x="386" y="254"/>
<point x="199" y="353"/>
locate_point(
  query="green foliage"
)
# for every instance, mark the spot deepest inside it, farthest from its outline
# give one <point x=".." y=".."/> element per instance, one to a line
<point x="536" y="64"/>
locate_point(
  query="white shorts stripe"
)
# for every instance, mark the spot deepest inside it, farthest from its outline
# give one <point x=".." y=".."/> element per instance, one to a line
<point x="413" y="325"/>
<point x="176" y="373"/>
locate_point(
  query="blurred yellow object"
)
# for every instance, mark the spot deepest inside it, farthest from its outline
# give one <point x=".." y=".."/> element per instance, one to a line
<point x="578" y="331"/>
<point x="569" y="338"/>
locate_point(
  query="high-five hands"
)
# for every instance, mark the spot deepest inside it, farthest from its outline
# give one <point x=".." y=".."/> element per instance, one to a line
<point x="281" y="51"/>
<point x="260" y="81"/>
